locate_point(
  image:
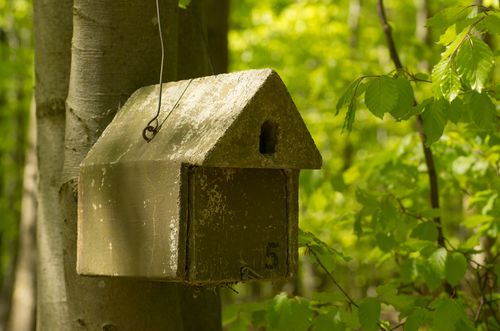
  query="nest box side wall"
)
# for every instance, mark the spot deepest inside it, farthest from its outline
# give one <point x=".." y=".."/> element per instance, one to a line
<point x="130" y="221"/>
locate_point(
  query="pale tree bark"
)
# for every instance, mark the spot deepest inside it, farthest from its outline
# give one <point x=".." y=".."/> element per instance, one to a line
<point x="422" y="31"/>
<point x="22" y="313"/>
<point x="115" y="51"/>
<point x="52" y="36"/>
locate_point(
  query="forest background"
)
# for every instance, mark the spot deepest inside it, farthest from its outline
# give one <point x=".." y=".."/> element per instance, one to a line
<point x="377" y="253"/>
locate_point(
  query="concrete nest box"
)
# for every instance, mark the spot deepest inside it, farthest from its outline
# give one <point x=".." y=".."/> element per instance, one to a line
<point x="212" y="198"/>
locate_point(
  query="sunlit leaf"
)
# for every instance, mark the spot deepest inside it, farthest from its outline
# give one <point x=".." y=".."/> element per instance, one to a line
<point x="446" y="17"/>
<point x="449" y="35"/>
<point x="184" y="3"/>
<point x="445" y="79"/>
<point x="474" y="61"/>
<point x="435" y="268"/>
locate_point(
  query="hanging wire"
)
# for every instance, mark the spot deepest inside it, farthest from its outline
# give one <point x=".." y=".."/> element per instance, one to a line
<point x="154" y="125"/>
<point x="151" y="130"/>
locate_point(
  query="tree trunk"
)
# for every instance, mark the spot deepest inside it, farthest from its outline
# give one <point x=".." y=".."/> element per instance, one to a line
<point x="22" y="314"/>
<point x="217" y="18"/>
<point x="52" y="35"/>
<point x="115" y="51"/>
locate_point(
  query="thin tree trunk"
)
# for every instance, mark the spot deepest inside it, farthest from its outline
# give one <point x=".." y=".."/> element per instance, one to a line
<point x="22" y="314"/>
<point x="192" y="43"/>
<point x="52" y="35"/>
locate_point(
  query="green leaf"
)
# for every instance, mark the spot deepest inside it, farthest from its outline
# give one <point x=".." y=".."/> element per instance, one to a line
<point x="454" y="46"/>
<point x="289" y="314"/>
<point x="381" y="95"/>
<point x="350" y="116"/>
<point x="388" y="294"/>
<point x="449" y="35"/>
<point x="456" y="111"/>
<point x="406" y="99"/>
<point x="349" y="99"/>
<point x="474" y="61"/>
<point x="416" y="319"/>
<point x="446" y="17"/>
<point x="369" y="314"/>
<point x="425" y="231"/>
<point x="385" y="241"/>
<point x="482" y="111"/>
<point x="345" y="99"/>
<point x="328" y="321"/>
<point x="434" y="120"/>
<point x="491" y="23"/>
<point x="435" y="268"/>
<point x="184" y="3"/>
<point x="455" y="268"/>
<point x="445" y="80"/>
<point x="350" y="318"/>
<point x="446" y="314"/>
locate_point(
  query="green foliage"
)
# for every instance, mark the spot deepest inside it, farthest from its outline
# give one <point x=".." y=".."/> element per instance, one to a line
<point x="184" y="3"/>
<point x="381" y="95"/>
<point x="15" y="96"/>
<point x="371" y="199"/>
<point x="369" y="314"/>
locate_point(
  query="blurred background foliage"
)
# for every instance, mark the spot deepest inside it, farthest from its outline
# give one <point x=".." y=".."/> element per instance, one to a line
<point x="365" y="216"/>
<point x="370" y="202"/>
<point x="16" y="84"/>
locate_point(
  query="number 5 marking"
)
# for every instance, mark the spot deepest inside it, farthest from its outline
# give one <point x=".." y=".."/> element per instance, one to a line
<point x="271" y="255"/>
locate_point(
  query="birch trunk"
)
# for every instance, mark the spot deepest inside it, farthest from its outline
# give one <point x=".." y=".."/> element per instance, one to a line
<point x="52" y="33"/>
<point x="22" y="313"/>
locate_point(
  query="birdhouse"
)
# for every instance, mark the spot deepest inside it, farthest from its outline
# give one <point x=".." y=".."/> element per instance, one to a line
<point x="213" y="198"/>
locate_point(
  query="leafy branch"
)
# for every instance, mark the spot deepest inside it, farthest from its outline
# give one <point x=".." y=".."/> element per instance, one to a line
<point x="429" y="157"/>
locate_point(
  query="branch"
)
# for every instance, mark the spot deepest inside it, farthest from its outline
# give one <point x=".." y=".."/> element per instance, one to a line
<point x="388" y="35"/>
<point x="351" y="301"/>
<point x="429" y="157"/>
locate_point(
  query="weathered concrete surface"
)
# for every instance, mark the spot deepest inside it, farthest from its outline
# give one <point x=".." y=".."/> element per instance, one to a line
<point x="238" y="220"/>
<point x="217" y="123"/>
<point x="130" y="223"/>
<point x="213" y="198"/>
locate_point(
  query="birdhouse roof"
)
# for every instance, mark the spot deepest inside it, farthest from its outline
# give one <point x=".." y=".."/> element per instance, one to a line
<point x="244" y="119"/>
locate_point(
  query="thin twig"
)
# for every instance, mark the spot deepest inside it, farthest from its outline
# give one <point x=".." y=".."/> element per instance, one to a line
<point x="397" y="326"/>
<point x="351" y="301"/>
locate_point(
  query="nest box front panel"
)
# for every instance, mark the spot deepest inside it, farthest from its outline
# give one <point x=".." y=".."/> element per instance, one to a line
<point x="240" y="225"/>
<point x="129" y="221"/>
